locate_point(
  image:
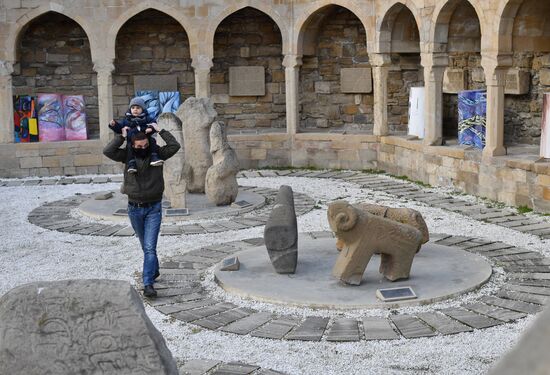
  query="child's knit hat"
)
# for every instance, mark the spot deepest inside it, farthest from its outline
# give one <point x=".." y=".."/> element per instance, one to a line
<point x="137" y="101"/>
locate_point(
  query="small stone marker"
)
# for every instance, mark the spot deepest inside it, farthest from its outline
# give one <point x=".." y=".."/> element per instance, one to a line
<point x="103" y="196"/>
<point x="395" y="294"/>
<point x="231" y="264"/>
<point x="240" y="204"/>
<point x="177" y="212"/>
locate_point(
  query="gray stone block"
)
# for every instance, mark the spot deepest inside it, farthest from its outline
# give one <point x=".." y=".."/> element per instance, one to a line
<point x="79" y="326"/>
<point x="281" y="233"/>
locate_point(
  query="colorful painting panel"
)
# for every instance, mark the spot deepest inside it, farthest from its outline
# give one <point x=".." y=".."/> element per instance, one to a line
<point x="472" y="113"/>
<point x="545" y="127"/>
<point x="50" y="118"/>
<point x="74" y="115"/>
<point x="169" y="101"/>
<point x="24" y="119"/>
<point x="151" y="99"/>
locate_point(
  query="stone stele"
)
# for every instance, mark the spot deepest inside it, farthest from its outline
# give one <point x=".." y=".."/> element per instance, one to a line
<point x="400" y="215"/>
<point x="196" y="116"/>
<point x="174" y="183"/>
<point x="79" y="327"/>
<point x="221" y="178"/>
<point x="281" y="233"/>
<point x="363" y="234"/>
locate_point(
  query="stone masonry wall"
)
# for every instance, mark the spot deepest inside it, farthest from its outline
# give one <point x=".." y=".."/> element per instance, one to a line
<point x="249" y="38"/>
<point x="341" y="43"/>
<point x="150" y="43"/>
<point x="54" y="57"/>
<point x="406" y="72"/>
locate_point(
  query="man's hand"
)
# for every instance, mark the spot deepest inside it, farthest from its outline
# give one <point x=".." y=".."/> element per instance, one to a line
<point x="155" y="126"/>
<point x="112" y="123"/>
<point x="125" y="131"/>
<point x="148" y="130"/>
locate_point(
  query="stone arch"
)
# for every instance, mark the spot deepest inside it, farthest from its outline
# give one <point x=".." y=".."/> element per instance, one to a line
<point x="506" y="24"/>
<point x="209" y="31"/>
<point x="311" y="19"/>
<point x="20" y="25"/>
<point x="385" y="27"/>
<point x="174" y="13"/>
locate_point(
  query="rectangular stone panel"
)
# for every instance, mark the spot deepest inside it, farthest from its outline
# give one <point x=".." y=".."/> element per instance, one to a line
<point x="160" y="82"/>
<point x="222" y="319"/>
<point x="378" y="329"/>
<point x="356" y="80"/>
<point x="472" y="319"/>
<point x="443" y="324"/>
<point x="198" y="366"/>
<point x="246" y="81"/>
<point x="248" y="324"/>
<point x="517" y="82"/>
<point x="411" y="327"/>
<point x="495" y="312"/>
<point x="454" y="81"/>
<point x="344" y="330"/>
<point x="519" y="306"/>
<point x="276" y="329"/>
<point x="311" y="329"/>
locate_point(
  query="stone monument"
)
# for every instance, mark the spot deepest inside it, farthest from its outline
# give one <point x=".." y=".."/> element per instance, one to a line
<point x="281" y="233"/>
<point x="362" y="234"/>
<point x="196" y="115"/>
<point x="79" y="327"/>
<point x="174" y="181"/>
<point x="221" y="178"/>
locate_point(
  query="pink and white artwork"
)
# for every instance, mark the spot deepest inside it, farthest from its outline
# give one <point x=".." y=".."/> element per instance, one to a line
<point x="545" y="127"/>
<point x="50" y="118"/>
<point x="75" y="117"/>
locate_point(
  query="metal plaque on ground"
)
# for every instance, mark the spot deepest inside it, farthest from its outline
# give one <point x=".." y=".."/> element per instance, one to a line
<point x="395" y="294"/>
<point x="121" y="212"/>
<point x="241" y="204"/>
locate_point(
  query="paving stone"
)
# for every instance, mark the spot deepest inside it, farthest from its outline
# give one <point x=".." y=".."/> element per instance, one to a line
<point x="172" y="292"/>
<point x="73" y="228"/>
<point x="534" y="275"/>
<point x="495" y="312"/>
<point x="411" y="327"/>
<point x="376" y="328"/>
<point x="125" y="232"/>
<point x="344" y="330"/>
<point x="275" y="329"/>
<point x="100" y="180"/>
<point x="60" y="224"/>
<point x="234" y="369"/>
<point x="168" y="230"/>
<point x="231" y="225"/>
<point x="109" y="230"/>
<point x="532" y="227"/>
<point x="526" y="268"/>
<point x="523" y="256"/>
<point x="519" y="306"/>
<point x="198" y="366"/>
<point x="311" y="329"/>
<point x="524" y="297"/>
<point x="503" y="252"/>
<point x="48" y="182"/>
<point x="267" y="173"/>
<point x="492" y="215"/>
<point x="250" y="174"/>
<point x="195" y="259"/>
<point x="443" y="324"/>
<point x="248" y="324"/>
<point x="34" y="182"/>
<point x="92" y="228"/>
<point x="543" y="283"/>
<point x="263" y="371"/>
<point x="498" y="220"/>
<point x="529" y="289"/>
<point x="162" y="301"/>
<point x="470" y="318"/>
<point x="192" y="229"/>
<point x="248" y="222"/>
<point x="117" y="178"/>
<point x="540" y="232"/>
<point x="518" y="223"/>
<point x="219" y="320"/>
<point x="344" y="175"/>
<point x="489" y="247"/>
<point x="283" y="173"/>
<point x="203" y="312"/>
<point x="213" y="228"/>
<point x="83" y="180"/>
<point x="454" y="240"/>
<point x="190" y="305"/>
<point x="258" y="241"/>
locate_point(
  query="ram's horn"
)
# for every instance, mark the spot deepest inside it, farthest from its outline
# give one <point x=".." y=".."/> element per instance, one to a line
<point x="346" y="219"/>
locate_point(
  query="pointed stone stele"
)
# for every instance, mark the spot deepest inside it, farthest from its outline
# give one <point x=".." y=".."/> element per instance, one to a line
<point x="174" y="183"/>
<point x="281" y="233"/>
<point x="79" y="327"/>
<point x="221" y="178"/>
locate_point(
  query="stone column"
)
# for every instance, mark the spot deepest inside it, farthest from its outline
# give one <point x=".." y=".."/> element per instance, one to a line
<point x="202" y="65"/>
<point x="495" y="73"/>
<point x="380" y="68"/>
<point x="292" y="65"/>
<point x="434" y="66"/>
<point x="104" y="70"/>
<point x="6" y="102"/>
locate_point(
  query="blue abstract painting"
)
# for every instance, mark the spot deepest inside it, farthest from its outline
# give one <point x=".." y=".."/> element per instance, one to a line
<point x="472" y="114"/>
<point x="151" y="99"/>
<point x="169" y="101"/>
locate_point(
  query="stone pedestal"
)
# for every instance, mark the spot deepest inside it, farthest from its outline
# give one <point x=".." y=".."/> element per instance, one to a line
<point x="6" y="102"/>
<point x="104" y="71"/>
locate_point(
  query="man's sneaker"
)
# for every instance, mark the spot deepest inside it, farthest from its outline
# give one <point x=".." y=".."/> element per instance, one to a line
<point x="149" y="291"/>
<point x="155" y="160"/>
<point x="157" y="274"/>
<point x="132" y="167"/>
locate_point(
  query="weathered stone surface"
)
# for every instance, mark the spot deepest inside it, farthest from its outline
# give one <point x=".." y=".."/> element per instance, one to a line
<point x="221" y="182"/>
<point x="246" y="81"/>
<point x="79" y="326"/>
<point x="363" y="234"/>
<point x="281" y="233"/>
<point x="376" y="328"/>
<point x="196" y="116"/>
<point x="454" y="81"/>
<point x="517" y="82"/>
<point x="174" y="181"/>
<point x="356" y="80"/>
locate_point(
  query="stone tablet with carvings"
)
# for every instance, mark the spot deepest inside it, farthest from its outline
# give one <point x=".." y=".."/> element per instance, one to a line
<point x="356" y="80"/>
<point x="247" y="81"/>
<point x="79" y="327"/>
<point x="517" y="82"/>
<point x="454" y="81"/>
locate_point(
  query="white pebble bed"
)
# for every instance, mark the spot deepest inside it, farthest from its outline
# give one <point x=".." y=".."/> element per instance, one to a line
<point x="30" y="253"/>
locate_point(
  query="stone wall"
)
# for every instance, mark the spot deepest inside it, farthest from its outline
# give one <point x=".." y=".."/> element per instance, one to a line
<point x="249" y="38"/>
<point x="340" y="43"/>
<point x="54" y="57"/>
<point x="150" y="43"/>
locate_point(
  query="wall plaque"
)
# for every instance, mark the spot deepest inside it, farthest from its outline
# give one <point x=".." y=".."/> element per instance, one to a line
<point x="356" y="80"/>
<point x="247" y="81"/>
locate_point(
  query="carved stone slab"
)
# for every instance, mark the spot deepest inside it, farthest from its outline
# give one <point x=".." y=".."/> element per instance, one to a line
<point x="517" y="82"/>
<point x="454" y="81"/>
<point x="77" y="327"/>
<point x="356" y="80"/>
<point x="161" y="82"/>
<point x="247" y="81"/>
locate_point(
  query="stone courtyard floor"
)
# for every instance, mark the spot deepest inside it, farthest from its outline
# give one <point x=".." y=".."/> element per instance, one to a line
<point x="45" y="238"/>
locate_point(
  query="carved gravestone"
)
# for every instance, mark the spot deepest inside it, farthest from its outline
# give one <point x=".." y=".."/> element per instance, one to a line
<point x="79" y="327"/>
<point x="246" y="81"/>
<point x="196" y="116"/>
<point x="221" y="178"/>
<point x="174" y="183"/>
<point x="454" y="81"/>
<point x="281" y="233"/>
<point x="356" y="80"/>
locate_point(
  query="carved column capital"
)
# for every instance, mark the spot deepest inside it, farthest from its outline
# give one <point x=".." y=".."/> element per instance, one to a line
<point x="379" y="59"/>
<point x="292" y="61"/>
<point x="496" y="67"/>
<point x="104" y="66"/>
<point x="431" y="60"/>
<point x="6" y="68"/>
<point x="202" y="62"/>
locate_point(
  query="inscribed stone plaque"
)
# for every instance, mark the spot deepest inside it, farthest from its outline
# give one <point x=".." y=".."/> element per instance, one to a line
<point x="247" y="81"/>
<point x="163" y="82"/>
<point x="454" y="81"/>
<point x="241" y="204"/>
<point x="356" y="80"/>
<point x="517" y="82"/>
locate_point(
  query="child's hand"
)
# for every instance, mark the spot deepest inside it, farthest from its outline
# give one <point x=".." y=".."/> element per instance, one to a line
<point x="112" y="123"/>
<point x="125" y="131"/>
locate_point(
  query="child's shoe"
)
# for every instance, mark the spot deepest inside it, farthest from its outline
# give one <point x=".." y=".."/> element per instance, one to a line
<point x="132" y="167"/>
<point x="155" y="160"/>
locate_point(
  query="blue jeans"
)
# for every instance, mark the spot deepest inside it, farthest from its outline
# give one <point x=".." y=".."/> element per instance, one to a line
<point x="146" y="224"/>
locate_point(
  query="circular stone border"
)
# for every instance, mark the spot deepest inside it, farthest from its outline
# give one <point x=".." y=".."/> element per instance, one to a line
<point x="182" y="296"/>
<point x="57" y="216"/>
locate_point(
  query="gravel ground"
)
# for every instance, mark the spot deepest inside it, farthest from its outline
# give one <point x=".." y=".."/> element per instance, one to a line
<point x="30" y="253"/>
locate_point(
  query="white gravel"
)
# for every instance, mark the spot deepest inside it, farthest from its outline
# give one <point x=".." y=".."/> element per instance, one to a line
<point x="30" y="253"/>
